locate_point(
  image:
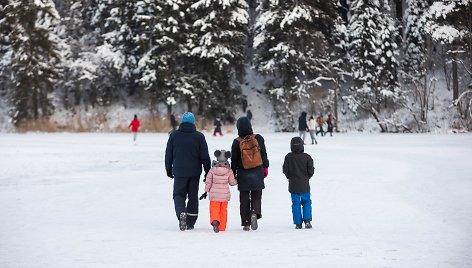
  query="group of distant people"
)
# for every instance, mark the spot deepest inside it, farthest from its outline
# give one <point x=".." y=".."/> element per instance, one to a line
<point x="314" y="126"/>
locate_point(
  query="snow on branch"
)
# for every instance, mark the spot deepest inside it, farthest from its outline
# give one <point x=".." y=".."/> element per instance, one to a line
<point x="461" y="96"/>
<point x="315" y="81"/>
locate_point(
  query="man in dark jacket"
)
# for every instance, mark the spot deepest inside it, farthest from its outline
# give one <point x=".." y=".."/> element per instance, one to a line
<point x="298" y="168"/>
<point x="186" y="152"/>
<point x="302" y="126"/>
<point x="250" y="181"/>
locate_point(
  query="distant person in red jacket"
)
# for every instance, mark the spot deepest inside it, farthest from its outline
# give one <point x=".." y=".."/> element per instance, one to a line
<point x="134" y="125"/>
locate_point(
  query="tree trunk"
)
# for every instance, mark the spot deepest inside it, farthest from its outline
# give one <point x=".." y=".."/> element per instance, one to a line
<point x="381" y="125"/>
<point x="336" y="88"/>
<point x="455" y="81"/>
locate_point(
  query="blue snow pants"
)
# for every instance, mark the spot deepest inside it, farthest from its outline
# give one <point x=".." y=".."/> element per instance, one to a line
<point x="299" y="201"/>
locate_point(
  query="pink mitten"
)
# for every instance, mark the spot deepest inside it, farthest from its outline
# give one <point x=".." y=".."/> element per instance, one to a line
<point x="266" y="172"/>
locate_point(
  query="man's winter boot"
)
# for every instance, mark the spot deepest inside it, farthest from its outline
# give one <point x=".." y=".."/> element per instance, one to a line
<point x="254" y="221"/>
<point x="183" y="221"/>
<point x="307" y="225"/>
<point x="246" y="228"/>
<point x="215" y="225"/>
<point x="298" y="226"/>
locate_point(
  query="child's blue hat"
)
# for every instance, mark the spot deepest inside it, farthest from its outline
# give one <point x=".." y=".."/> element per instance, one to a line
<point x="188" y="117"/>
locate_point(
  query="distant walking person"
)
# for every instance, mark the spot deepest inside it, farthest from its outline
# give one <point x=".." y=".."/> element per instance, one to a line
<point x="250" y="166"/>
<point x="134" y="125"/>
<point x="217" y="125"/>
<point x="302" y="126"/>
<point x="249" y="114"/>
<point x="312" y="128"/>
<point x="298" y="168"/>
<point x="320" y="122"/>
<point x="330" y="122"/>
<point x="173" y="122"/>
<point x="244" y="104"/>
<point x="186" y="152"/>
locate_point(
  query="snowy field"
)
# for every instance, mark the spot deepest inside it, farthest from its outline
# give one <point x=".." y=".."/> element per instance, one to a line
<point x="97" y="200"/>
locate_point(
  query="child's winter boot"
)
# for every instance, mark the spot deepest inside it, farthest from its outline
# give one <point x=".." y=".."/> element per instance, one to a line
<point x="215" y="225"/>
<point x="307" y="225"/>
<point x="246" y="228"/>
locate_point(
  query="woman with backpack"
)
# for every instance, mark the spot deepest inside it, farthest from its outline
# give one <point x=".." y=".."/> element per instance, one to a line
<point x="250" y="166"/>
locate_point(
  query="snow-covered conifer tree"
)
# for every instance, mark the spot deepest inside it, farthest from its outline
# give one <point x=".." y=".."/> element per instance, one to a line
<point x="450" y="27"/>
<point x="161" y="67"/>
<point x="217" y="48"/>
<point x="372" y="51"/>
<point x="119" y="23"/>
<point x="416" y="62"/>
<point x="33" y="56"/>
<point x="291" y="41"/>
<point x="414" y="45"/>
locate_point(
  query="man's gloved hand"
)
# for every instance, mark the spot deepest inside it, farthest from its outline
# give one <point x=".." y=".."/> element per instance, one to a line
<point x="266" y="172"/>
<point x="169" y="174"/>
<point x="205" y="178"/>
<point x="203" y="196"/>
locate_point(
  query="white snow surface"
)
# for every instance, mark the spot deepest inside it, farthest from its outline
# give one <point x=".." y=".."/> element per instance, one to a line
<point x="98" y="200"/>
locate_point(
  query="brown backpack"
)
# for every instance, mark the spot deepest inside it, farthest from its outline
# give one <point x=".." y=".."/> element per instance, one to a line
<point x="250" y="152"/>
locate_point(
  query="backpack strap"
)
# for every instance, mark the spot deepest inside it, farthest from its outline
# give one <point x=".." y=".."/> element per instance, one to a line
<point x="245" y="137"/>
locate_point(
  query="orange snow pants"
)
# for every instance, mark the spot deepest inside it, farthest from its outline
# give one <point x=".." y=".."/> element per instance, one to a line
<point x="219" y="212"/>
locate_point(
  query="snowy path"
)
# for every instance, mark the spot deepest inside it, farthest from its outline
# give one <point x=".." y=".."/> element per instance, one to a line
<point x="96" y="200"/>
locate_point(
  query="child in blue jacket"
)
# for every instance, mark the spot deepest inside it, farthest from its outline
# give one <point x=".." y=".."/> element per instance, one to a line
<point x="298" y="168"/>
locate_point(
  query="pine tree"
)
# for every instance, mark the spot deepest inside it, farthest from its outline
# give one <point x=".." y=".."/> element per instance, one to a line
<point x="217" y="49"/>
<point x="450" y="27"/>
<point x="118" y="25"/>
<point x="414" y="45"/>
<point x="35" y="59"/>
<point x="5" y="51"/>
<point x="372" y="50"/>
<point x="416" y="62"/>
<point x="162" y="66"/>
<point x="291" y="40"/>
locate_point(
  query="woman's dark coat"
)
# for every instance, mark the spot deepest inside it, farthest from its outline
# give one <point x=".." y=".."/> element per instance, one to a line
<point x="248" y="179"/>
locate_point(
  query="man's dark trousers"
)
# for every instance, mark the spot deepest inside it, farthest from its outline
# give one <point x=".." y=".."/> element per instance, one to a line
<point x="183" y="187"/>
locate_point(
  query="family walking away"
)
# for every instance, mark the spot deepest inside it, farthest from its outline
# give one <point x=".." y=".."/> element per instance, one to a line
<point x="134" y="125"/>
<point x="298" y="167"/>
<point x="186" y="153"/>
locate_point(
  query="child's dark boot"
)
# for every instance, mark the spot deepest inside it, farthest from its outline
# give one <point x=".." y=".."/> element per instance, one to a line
<point x="216" y="225"/>
<point x="307" y="225"/>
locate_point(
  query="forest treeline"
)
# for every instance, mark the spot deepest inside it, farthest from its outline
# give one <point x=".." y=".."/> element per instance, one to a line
<point x="377" y="57"/>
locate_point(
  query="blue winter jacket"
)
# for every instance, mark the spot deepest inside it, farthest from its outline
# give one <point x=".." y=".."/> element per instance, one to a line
<point x="186" y="152"/>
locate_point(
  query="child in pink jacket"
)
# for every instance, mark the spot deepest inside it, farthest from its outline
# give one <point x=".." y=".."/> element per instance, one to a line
<point x="217" y="180"/>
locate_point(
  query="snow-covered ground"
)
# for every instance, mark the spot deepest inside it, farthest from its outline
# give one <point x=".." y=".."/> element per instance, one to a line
<point x="97" y="200"/>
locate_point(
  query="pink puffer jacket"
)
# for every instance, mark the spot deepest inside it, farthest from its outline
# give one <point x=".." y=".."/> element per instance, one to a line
<point x="217" y="182"/>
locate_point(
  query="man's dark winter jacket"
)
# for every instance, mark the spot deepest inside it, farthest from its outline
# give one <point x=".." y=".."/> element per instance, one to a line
<point x="302" y="126"/>
<point x="298" y="168"/>
<point x="248" y="179"/>
<point x="186" y="152"/>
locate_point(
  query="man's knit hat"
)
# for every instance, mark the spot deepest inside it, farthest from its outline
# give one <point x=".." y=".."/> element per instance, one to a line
<point x="188" y="117"/>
